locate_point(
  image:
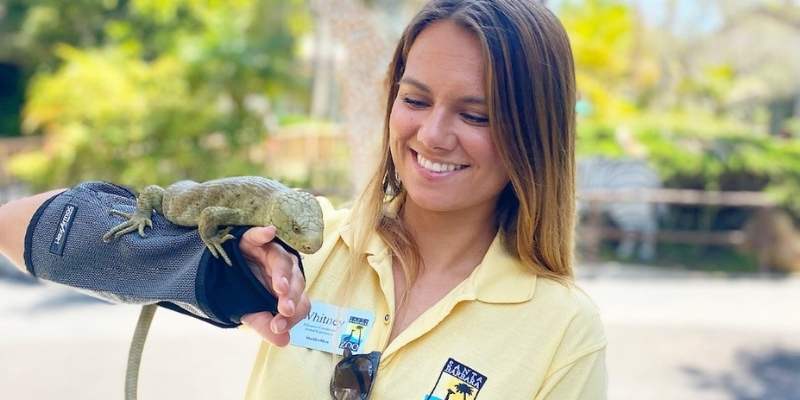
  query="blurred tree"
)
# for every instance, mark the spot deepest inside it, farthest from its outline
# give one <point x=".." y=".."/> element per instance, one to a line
<point x="31" y="28"/>
<point x="11" y="98"/>
<point x="601" y="32"/>
<point x="163" y="90"/>
<point x="364" y="31"/>
<point x="695" y="100"/>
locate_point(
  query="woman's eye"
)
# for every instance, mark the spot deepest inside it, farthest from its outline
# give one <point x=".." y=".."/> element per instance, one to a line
<point x="414" y="103"/>
<point x="475" y="119"/>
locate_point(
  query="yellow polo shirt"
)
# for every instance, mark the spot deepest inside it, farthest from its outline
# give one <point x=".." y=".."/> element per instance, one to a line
<point x="503" y="333"/>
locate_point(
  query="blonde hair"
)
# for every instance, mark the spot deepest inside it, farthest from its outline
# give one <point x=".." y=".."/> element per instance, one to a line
<point x="530" y="87"/>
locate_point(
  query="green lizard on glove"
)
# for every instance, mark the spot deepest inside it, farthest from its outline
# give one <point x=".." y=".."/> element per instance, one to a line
<point x="246" y="200"/>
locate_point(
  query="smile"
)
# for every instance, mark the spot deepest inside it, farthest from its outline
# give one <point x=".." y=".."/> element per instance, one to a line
<point x="434" y="166"/>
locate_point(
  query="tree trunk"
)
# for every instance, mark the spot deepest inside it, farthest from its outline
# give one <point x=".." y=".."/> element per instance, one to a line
<point x="360" y="77"/>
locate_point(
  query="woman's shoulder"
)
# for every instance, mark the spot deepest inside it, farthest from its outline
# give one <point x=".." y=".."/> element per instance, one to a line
<point x="332" y="216"/>
<point x="575" y="311"/>
<point x="568" y="297"/>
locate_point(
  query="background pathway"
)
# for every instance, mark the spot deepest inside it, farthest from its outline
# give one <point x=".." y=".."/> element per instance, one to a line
<point x="671" y="336"/>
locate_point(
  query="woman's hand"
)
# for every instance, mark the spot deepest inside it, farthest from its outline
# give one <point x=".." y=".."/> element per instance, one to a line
<point x="279" y="272"/>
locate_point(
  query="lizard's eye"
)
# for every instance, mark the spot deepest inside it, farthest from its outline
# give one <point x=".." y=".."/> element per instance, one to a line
<point x="296" y="228"/>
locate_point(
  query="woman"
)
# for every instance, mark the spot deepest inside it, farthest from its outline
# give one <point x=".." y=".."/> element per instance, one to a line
<point x="452" y="275"/>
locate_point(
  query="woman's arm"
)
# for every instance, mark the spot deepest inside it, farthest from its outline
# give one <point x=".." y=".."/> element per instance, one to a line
<point x="584" y="379"/>
<point x="58" y="238"/>
<point x="14" y="219"/>
<point x="170" y="265"/>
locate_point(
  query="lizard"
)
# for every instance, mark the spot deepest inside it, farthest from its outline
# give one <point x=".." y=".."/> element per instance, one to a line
<point x="244" y="200"/>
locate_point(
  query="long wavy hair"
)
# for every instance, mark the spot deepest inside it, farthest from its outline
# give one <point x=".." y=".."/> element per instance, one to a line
<point x="530" y="87"/>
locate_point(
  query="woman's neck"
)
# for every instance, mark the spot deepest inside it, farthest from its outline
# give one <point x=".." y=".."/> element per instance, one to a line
<point x="450" y="242"/>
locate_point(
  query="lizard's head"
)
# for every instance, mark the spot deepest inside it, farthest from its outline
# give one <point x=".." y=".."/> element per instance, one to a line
<point x="298" y="219"/>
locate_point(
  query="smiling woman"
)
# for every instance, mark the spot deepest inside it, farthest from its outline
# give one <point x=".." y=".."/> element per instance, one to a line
<point x="439" y="134"/>
<point x="452" y="274"/>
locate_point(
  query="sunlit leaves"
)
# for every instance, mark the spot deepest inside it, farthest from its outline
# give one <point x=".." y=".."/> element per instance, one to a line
<point x="176" y="89"/>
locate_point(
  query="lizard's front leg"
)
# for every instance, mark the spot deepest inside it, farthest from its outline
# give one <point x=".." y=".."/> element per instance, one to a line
<point x="208" y="226"/>
<point x="148" y="200"/>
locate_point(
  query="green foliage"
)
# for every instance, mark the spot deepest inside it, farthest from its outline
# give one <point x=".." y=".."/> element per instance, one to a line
<point x="601" y="32"/>
<point x="693" y="151"/>
<point x="597" y="139"/>
<point x="677" y="111"/>
<point x="32" y="28"/>
<point x="164" y="90"/>
<point x="107" y="116"/>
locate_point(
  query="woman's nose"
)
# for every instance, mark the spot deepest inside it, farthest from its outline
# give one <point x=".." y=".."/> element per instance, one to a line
<point x="436" y="132"/>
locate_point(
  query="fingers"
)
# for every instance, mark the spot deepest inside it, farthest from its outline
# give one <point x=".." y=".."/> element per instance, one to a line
<point x="254" y="249"/>
<point x="256" y="237"/>
<point x="294" y="293"/>
<point x="286" y="278"/>
<point x="301" y="312"/>
<point x="276" y="328"/>
<point x="262" y="323"/>
<point x="279" y="271"/>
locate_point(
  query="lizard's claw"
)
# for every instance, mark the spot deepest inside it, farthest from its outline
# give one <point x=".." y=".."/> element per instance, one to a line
<point x="147" y="222"/>
<point x="214" y="244"/>
<point x="121" y="213"/>
<point x="135" y="222"/>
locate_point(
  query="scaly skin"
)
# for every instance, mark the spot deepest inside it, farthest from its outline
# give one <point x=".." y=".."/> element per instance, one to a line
<point x="246" y="200"/>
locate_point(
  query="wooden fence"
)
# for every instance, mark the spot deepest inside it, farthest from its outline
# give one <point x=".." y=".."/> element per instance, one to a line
<point x="592" y="232"/>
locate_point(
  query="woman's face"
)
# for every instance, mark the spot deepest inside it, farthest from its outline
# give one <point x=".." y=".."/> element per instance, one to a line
<point x="439" y="134"/>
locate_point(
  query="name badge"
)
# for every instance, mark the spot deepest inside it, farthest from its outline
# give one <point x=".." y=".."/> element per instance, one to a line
<point x="332" y="329"/>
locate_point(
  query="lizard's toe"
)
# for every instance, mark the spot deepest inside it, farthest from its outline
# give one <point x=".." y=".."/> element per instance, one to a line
<point x="141" y="229"/>
<point x="212" y="249"/>
<point x="128" y="229"/>
<point x="120" y="213"/>
<point x="225" y="256"/>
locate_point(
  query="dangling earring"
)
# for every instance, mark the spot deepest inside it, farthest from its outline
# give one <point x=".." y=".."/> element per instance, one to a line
<point x="392" y="184"/>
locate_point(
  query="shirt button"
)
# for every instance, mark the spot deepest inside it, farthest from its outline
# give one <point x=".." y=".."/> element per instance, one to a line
<point x="386" y="319"/>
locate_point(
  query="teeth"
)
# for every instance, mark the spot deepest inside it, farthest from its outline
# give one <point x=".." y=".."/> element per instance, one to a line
<point x="437" y="167"/>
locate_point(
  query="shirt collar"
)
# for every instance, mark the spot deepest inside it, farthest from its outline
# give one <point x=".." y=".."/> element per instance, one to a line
<point x="375" y="245"/>
<point x="501" y="277"/>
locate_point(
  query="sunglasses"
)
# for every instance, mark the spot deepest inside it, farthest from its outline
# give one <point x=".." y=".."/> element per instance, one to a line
<point x="353" y="376"/>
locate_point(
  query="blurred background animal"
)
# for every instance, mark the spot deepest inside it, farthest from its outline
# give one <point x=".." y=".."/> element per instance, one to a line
<point x="635" y="219"/>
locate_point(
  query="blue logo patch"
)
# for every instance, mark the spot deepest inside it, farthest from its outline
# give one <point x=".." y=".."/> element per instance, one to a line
<point x="456" y="381"/>
<point x="352" y="339"/>
<point x="65" y="224"/>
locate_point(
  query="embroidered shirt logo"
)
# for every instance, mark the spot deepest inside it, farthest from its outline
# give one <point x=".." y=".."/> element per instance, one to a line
<point x="67" y="216"/>
<point x="456" y="381"/>
<point x="351" y="339"/>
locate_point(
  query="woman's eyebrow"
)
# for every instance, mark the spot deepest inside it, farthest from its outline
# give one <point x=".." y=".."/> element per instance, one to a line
<point x="423" y="87"/>
<point x="413" y="82"/>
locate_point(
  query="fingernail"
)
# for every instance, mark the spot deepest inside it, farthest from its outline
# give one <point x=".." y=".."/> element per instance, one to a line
<point x="278" y="325"/>
<point x="290" y="306"/>
<point x="285" y="284"/>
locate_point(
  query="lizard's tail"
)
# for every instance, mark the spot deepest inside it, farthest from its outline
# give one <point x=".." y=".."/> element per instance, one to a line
<point x="135" y="352"/>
